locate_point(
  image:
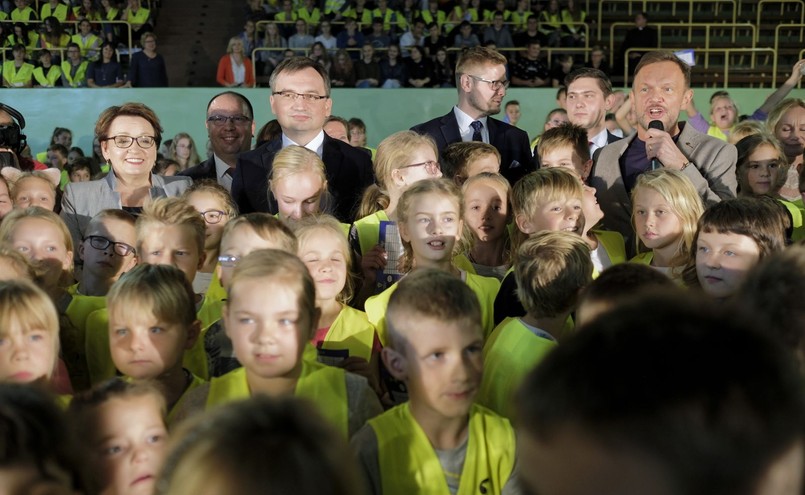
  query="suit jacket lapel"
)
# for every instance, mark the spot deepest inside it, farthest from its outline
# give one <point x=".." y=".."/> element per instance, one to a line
<point x="332" y="158"/>
<point x="450" y="131"/>
<point x="271" y="149"/>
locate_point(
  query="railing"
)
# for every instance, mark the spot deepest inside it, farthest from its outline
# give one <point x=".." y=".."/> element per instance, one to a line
<point x="751" y="52"/>
<point x="643" y="4"/>
<point x="708" y="27"/>
<point x="783" y="4"/>
<point x="128" y="30"/>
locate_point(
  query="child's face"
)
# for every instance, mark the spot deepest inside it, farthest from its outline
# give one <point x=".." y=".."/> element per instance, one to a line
<point x="655" y="222"/>
<point x="298" y="195"/>
<point x="566" y="157"/>
<point x="723" y="113"/>
<point x="513" y="112"/>
<point x="172" y="245"/>
<point x="324" y="256"/>
<point x="80" y="175"/>
<point x="143" y="346"/>
<point x="562" y="214"/>
<point x="241" y="241"/>
<point x="265" y="324"/>
<point x="590" y="207"/>
<point x="442" y="365"/>
<point x="56" y="159"/>
<point x="486" y="210"/>
<point x="5" y="199"/>
<point x="43" y="243"/>
<point x="183" y="146"/>
<point x="207" y="202"/>
<point x="762" y="171"/>
<point x="419" y="167"/>
<point x="433" y="227"/>
<point x="130" y="444"/>
<point x="486" y="163"/>
<point x="722" y="261"/>
<point x="34" y="191"/>
<point x="27" y="353"/>
<point x="108" y="263"/>
<point x="72" y="156"/>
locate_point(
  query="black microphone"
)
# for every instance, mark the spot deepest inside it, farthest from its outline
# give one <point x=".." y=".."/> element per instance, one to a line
<point x="656" y="124"/>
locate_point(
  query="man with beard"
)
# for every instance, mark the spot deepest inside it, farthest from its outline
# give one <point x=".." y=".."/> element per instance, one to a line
<point x="481" y="81"/>
<point x="230" y="126"/>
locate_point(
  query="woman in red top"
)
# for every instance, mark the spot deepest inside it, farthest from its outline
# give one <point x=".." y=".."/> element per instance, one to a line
<point x="234" y="68"/>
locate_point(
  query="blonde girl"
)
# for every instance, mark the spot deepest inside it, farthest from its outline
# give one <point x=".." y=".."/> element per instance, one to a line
<point x="42" y="237"/>
<point x="215" y="205"/>
<point x="430" y="220"/>
<point x="33" y="188"/>
<point x="269" y="316"/>
<point x="29" y="325"/>
<point x="183" y="150"/>
<point x="298" y="183"/>
<point x="486" y="236"/>
<point x="402" y="159"/>
<point x="342" y="332"/>
<point x="665" y="210"/>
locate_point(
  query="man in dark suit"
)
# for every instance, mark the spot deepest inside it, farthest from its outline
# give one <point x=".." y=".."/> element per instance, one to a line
<point x="230" y="126"/>
<point x="300" y="99"/>
<point x="589" y="98"/>
<point x="481" y="81"/>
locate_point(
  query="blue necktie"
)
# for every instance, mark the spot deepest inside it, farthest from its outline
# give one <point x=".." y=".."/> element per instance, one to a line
<point x="476" y="130"/>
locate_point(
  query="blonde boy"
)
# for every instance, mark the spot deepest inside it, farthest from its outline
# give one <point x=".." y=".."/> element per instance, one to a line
<point x="439" y="441"/>
<point x="551" y="269"/>
<point x="460" y="161"/>
<point x="548" y="199"/>
<point x="152" y="322"/>
<point x="169" y="232"/>
<point x="566" y="146"/>
<point x="107" y="251"/>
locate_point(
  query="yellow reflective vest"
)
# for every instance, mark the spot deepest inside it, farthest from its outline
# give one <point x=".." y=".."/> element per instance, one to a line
<point x="323" y="385"/>
<point x="17" y="77"/>
<point x="408" y="463"/>
<point x="78" y="79"/>
<point x="50" y="79"/>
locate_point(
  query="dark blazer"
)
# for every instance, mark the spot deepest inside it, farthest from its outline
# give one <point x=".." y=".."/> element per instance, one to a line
<point x="204" y="170"/>
<point x="516" y="159"/>
<point x="349" y="172"/>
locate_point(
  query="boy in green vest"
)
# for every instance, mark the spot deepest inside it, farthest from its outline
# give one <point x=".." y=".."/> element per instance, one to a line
<point x="152" y="322"/>
<point x="439" y="442"/>
<point x="667" y="394"/>
<point x="551" y="269"/>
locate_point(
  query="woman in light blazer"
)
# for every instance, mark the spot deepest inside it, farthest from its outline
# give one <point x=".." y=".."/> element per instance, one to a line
<point x="129" y="136"/>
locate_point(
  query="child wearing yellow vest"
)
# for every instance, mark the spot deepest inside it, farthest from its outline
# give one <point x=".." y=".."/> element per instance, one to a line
<point x="343" y="335"/>
<point x="269" y="315"/>
<point x="240" y="236"/>
<point x="439" y="442"/>
<point x="566" y="146"/>
<point x="169" y="232"/>
<point x="107" y="252"/>
<point x="551" y="270"/>
<point x="402" y="159"/>
<point x="430" y="223"/>
<point x="152" y="322"/>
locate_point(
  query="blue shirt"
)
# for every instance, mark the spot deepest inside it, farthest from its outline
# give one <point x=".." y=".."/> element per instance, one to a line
<point x="105" y="74"/>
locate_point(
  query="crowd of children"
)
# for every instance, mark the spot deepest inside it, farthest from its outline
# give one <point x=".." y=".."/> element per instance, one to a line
<point x="190" y="349"/>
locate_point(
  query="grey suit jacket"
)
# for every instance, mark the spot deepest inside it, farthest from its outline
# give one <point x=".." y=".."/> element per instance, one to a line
<point x="84" y="200"/>
<point x="712" y="172"/>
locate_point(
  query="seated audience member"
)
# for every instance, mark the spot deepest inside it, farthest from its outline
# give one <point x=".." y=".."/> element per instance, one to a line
<point x="693" y="420"/>
<point x="235" y="69"/>
<point x="105" y="72"/>
<point x="440" y="439"/>
<point x="528" y="70"/>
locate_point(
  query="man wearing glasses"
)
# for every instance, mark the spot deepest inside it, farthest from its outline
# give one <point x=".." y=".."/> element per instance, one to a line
<point x="481" y="82"/>
<point x="230" y="127"/>
<point x="300" y="99"/>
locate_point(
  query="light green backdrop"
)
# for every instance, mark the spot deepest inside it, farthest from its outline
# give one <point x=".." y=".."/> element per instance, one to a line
<point x="384" y="111"/>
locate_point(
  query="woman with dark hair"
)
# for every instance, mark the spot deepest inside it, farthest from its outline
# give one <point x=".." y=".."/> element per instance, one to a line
<point x="420" y="68"/>
<point x="106" y="72"/>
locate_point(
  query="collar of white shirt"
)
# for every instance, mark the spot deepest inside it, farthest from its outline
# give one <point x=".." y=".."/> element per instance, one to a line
<point x="464" y="128"/>
<point x="599" y="141"/>
<point x="315" y="145"/>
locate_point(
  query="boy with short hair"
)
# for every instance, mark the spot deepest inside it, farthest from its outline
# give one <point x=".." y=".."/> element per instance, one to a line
<point x="548" y="199"/>
<point x="551" y="269"/>
<point x="439" y="440"/>
<point x="169" y="232"/>
<point x="152" y="322"/>
<point x="566" y="147"/>
<point x="107" y="251"/>
<point x="460" y="161"/>
<point x="651" y="396"/>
